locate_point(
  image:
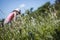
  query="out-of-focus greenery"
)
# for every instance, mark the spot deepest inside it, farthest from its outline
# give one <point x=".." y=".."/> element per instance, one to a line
<point x="40" y="24"/>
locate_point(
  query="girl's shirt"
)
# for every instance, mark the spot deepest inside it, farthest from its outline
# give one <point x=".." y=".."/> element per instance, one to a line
<point x="9" y="18"/>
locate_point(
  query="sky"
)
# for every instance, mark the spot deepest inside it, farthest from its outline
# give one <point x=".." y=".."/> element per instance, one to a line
<point x="6" y="6"/>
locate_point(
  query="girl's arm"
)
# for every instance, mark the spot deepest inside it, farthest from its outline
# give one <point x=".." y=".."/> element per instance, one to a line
<point x="15" y="16"/>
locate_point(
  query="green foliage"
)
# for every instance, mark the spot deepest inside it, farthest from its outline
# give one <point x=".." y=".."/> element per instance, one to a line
<point x="38" y="25"/>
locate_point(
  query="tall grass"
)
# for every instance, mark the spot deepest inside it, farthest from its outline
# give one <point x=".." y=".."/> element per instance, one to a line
<point x="31" y="28"/>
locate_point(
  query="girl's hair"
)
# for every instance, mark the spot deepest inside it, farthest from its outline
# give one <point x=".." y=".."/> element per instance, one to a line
<point x="19" y="12"/>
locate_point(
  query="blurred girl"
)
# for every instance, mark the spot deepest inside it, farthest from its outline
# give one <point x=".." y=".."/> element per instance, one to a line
<point x="12" y="16"/>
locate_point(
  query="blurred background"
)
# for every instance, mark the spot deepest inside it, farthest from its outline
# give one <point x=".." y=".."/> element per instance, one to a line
<point x="39" y="20"/>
